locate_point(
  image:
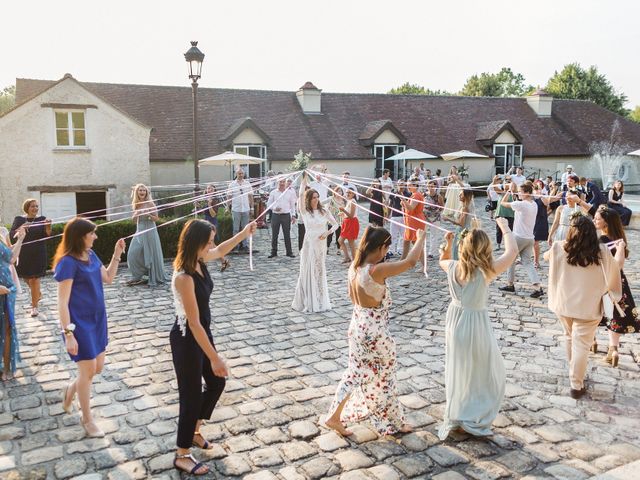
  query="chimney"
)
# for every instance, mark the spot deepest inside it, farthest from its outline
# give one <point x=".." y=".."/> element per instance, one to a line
<point x="308" y="96"/>
<point x="541" y="103"/>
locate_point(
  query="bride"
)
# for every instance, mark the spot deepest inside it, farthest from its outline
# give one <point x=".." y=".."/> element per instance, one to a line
<point x="312" y="291"/>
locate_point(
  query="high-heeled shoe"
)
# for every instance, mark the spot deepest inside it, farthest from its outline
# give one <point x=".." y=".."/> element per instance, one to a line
<point x="594" y="346"/>
<point x="612" y="356"/>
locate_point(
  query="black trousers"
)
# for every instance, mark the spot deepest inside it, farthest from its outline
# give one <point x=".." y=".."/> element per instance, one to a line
<point x="277" y="220"/>
<point x="191" y="366"/>
<point x="499" y="232"/>
<point x="330" y="237"/>
<point x="301" y="231"/>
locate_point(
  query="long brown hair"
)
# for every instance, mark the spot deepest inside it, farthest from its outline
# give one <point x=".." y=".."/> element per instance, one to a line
<point x="373" y="238"/>
<point x="582" y="244"/>
<point x="467" y="196"/>
<point x="475" y="252"/>
<point x="73" y="239"/>
<point x="195" y="235"/>
<point x="307" y="201"/>
<point x="615" y="230"/>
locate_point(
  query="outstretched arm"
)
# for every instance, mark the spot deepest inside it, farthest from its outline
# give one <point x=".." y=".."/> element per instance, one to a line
<point x="226" y="246"/>
<point x="504" y="261"/>
<point x="391" y="269"/>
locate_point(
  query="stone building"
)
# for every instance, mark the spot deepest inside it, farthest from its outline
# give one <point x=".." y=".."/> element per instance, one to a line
<point x="143" y="133"/>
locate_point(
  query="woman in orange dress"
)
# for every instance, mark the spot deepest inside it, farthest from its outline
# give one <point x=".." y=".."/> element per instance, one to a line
<point x="350" y="227"/>
<point x="413" y="217"/>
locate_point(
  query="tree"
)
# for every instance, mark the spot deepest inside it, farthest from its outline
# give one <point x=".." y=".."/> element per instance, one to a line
<point x="414" y="89"/>
<point x="7" y="99"/>
<point x="505" y="83"/>
<point x="574" y="82"/>
<point x="635" y="114"/>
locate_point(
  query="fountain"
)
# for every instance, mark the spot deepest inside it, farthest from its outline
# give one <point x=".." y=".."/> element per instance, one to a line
<point x="607" y="156"/>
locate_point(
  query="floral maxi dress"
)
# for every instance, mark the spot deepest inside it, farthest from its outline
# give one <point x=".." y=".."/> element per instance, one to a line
<point x="370" y="379"/>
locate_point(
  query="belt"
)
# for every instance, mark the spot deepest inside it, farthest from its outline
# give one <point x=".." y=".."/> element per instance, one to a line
<point x="456" y="303"/>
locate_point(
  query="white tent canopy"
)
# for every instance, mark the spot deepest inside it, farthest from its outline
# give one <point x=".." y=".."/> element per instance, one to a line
<point x="230" y="158"/>
<point x="412" y="154"/>
<point x="461" y="154"/>
<point x="635" y="152"/>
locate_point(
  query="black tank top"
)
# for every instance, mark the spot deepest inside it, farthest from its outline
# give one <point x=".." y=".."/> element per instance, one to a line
<point x="203" y="288"/>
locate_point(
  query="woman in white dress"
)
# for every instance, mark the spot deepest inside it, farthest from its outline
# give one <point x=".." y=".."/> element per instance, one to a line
<point x="452" y="201"/>
<point x="368" y="386"/>
<point x="312" y="290"/>
<point x="562" y="219"/>
<point x="474" y="372"/>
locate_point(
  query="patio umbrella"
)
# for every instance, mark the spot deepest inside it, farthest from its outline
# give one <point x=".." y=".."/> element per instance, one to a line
<point x="635" y="152"/>
<point x="412" y="154"/>
<point x="461" y="154"/>
<point x="230" y="158"/>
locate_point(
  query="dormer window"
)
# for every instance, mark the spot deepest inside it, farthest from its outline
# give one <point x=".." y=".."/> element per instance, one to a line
<point x="70" y="129"/>
<point x="397" y="167"/>
<point x="507" y="156"/>
<point x="259" y="151"/>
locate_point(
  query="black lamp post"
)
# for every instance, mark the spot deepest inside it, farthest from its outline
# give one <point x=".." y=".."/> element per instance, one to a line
<point x="194" y="58"/>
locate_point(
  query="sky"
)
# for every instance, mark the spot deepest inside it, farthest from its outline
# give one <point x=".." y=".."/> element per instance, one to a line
<point x="341" y="46"/>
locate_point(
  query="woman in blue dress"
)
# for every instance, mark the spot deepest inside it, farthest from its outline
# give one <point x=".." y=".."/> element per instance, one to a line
<point x="8" y="332"/>
<point x="145" y="252"/>
<point x="82" y="310"/>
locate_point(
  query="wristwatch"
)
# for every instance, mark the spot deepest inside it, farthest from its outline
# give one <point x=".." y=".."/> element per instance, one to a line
<point x="68" y="331"/>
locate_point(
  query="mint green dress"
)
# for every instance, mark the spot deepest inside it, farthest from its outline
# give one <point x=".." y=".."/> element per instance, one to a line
<point x="474" y="371"/>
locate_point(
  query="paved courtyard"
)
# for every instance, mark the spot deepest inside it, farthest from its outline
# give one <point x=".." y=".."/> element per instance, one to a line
<point x="284" y="370"/>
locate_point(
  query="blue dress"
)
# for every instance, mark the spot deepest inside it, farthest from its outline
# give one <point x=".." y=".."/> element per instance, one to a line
<point x="86" y="304"/>
<point x="7" y="307"/>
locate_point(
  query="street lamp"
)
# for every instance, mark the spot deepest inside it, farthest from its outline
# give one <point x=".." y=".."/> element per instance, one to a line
<point x="194" y="58"/>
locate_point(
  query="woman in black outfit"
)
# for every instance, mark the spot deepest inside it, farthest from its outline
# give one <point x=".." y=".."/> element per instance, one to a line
<point x="32" y="264"/>
<point x="194" y="354"/>
<point x="615" y="202"/>
<point x="376" y="215"/>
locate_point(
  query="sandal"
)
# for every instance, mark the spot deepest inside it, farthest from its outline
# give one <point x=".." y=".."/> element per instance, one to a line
<point x="67" y="407"/>
<point x="197" y="465"/>
<point x="225" y="265"/>
<point x="34" y="312"/>
<point x="206" y="445"/>
<point x="92" y="430"/>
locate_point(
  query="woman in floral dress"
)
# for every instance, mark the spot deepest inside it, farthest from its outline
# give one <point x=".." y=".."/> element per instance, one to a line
<point x="608" y="221"/>
<point x="368" y="386"/>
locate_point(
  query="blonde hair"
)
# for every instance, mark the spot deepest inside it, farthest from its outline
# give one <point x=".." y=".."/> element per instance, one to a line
<point x="475" y="252"/>
<point x="136" y="202"/>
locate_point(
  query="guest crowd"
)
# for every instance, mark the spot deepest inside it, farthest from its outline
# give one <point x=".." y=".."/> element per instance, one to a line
<point x="587" y="288"/>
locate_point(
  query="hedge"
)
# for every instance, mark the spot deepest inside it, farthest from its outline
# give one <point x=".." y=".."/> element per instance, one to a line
<point x="109" y="233"/>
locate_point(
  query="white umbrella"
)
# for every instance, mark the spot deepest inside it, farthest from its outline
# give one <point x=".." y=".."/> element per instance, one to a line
<point x="635" y="152"/>
<point x="461" y="154"/>
<point x="230" y="158"/>
<point x="411" y="154"/>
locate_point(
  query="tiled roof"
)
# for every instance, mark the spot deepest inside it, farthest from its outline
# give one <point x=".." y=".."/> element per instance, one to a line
<point x="434" y="124"/>
<point x="489" y="131"/>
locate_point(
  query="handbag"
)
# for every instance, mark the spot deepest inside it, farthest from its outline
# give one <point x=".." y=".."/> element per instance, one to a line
<point x="608" y="303"/>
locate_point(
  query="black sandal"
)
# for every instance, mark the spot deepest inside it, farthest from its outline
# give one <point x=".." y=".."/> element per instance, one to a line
<point x="205" y="446"/>
<point x="225" y="264"/>
<point x="198" y="465"/>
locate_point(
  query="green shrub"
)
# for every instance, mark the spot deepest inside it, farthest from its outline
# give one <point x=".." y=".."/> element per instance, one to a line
<point x="108" y="235"/>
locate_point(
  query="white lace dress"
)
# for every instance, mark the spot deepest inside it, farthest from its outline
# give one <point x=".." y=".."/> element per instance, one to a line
<point x="312" y="290"/>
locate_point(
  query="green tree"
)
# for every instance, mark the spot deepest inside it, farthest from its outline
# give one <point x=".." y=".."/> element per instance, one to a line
<point x="7" y="99"/>
<point x="414" y="89"/>
<point x="505" y="83"/>
<point x="635" y="114"/>
<point x="577" y="83"/>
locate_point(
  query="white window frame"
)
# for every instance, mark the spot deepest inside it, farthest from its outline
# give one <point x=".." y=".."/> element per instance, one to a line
<point x="263" y="155"/>
<point x="400" y="147"/>
<point x="516" y="161"/>
<point x="70" y="130"/>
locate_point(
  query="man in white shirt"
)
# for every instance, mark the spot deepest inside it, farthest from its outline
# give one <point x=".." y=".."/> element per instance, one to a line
<point x="282" y="202"/>
<point x="346" y="183"/>
<point x="386" y="184"/>
<point x="240" y="196"/>
<point x="518" y="178"/>
<point x="526" y="211"/>
<point x="419" y="177"/>
<point x="565" y="176"/>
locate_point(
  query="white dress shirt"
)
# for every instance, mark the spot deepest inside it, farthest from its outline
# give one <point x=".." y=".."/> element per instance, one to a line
<point x="239" y="195"/>
<point x="282" y="201"/>
<point x="518" y="179"/>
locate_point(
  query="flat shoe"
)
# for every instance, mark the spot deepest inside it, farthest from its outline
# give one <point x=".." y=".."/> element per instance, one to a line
<point x="193" y="471"/>
<point x="67" y="407"/>
<point x="34" y="312"/>
<point x="92" y="430"/>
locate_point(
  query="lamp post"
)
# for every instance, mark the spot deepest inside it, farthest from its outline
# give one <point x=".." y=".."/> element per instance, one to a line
<point x="194" y="58"/>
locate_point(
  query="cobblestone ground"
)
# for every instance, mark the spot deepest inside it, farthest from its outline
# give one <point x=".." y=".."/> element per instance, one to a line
<point x="285" y="367"/>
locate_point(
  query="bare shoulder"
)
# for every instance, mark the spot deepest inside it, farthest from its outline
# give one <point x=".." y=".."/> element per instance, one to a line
<point x="183" y="281"/>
